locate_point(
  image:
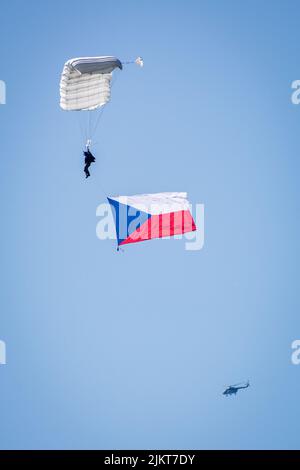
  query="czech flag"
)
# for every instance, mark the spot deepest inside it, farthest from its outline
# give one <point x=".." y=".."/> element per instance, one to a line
<point x="146" y="216"/>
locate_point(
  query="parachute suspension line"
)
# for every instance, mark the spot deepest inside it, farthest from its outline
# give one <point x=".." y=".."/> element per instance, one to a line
<point x="90" y="118"/>
<point x="96" y="124"/>
<point x="88" y="134"/>
<point x="82" y="130"/>
<point x="88" y="140"/>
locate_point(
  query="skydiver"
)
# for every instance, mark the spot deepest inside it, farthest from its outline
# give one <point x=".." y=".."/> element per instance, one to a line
<point x="88" y="159"/>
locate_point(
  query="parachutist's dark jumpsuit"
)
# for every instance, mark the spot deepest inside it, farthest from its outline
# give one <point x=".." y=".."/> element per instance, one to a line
<point x="89" y="158"/>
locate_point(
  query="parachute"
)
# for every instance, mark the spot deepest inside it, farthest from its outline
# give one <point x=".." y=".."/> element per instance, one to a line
<point x="85" y="82"/>
<point x="147" y="216"/>
<point x="85" y="85"/>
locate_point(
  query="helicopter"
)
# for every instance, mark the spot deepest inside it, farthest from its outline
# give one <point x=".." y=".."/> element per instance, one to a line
<point x="233" y="389"/>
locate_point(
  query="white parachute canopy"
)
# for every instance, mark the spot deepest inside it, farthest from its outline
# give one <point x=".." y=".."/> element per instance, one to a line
<point x="85" y="82"/>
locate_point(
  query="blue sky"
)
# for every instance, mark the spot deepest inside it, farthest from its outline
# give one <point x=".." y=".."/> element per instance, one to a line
<point x="133" y="350"/>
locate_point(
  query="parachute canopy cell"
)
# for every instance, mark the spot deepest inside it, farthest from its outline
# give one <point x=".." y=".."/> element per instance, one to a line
<point x="85" y="82"/>
<point x="146" y="216"/>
